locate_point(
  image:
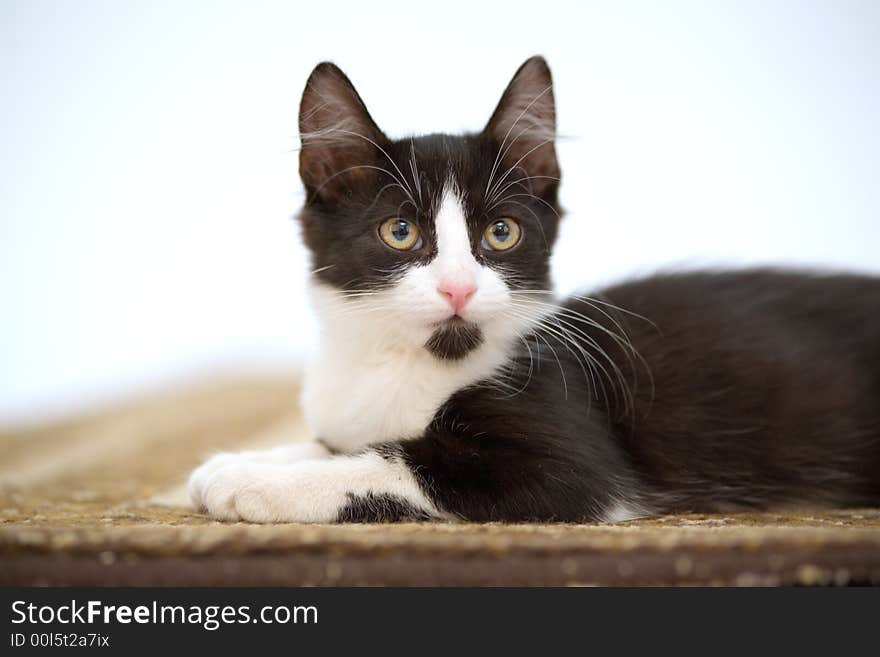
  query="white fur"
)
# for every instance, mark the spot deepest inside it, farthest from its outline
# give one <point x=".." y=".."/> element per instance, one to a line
<point x="621" y="511"/>
<point x="372" y="380"/>
<point x="280" y="455"/>
<point x="311" y="490"/>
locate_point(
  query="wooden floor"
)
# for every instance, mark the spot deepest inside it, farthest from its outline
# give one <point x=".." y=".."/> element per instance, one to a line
<point x="98" y="500"/>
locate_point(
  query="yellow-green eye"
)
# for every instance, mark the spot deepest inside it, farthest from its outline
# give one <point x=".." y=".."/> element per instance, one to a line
<point x="400" y="234"/>
<point x="501" y="235"/>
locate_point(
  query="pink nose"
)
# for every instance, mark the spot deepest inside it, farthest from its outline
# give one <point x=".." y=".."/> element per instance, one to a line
<point x="457" y="293"/>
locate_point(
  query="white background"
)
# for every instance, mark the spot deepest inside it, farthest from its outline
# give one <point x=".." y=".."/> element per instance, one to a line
<point x="148" y="174"/>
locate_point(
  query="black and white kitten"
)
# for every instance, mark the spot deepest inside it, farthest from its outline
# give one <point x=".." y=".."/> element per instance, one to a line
<point x="450" y="383"/>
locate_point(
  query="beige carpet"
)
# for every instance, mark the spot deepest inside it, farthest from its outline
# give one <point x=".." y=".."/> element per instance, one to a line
<point x="97" y="500"/>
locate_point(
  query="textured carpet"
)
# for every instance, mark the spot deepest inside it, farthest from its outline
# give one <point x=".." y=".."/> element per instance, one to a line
<point x="97" y="500"/>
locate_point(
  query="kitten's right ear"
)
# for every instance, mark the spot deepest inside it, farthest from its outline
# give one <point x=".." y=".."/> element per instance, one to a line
<point x="524" y="127"/>
<point x="340" y="142"/>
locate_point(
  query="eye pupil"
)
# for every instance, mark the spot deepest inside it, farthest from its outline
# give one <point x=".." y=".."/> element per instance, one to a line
<point x="400" y="234"/>
<point x="501" y="234"/>
<point x="501" y="231"/>
<point x="400" y="231"/>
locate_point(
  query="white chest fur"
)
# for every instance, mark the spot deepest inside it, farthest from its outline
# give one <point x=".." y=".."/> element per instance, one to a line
<point x="356" y="399"/>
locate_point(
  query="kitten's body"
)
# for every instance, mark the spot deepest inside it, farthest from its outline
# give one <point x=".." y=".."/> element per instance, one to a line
<point x="747" y="406"/>
<point x="450" y="384"/>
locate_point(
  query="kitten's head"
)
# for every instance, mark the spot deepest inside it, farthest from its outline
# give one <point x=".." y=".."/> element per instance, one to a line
<point x="426" y="241"/>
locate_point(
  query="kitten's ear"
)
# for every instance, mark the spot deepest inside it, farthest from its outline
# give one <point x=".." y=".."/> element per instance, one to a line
<point x="339" y="140"/>
<point x="523" y="127"/>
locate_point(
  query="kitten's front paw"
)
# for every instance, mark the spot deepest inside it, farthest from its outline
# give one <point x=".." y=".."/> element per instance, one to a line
<point x="287" y="454"/>
<point x="249" y="491"/>
<point x="200" y="476"/>
<point x="311" y="490"/>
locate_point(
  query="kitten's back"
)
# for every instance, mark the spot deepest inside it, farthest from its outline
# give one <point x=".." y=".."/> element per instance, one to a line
<point x="766" y="386"/>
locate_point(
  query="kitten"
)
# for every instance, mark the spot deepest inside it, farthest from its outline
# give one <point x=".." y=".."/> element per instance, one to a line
<point x="450" y="384"/>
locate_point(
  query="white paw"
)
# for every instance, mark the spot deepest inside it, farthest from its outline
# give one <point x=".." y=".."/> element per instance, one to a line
<point x="235" y="487"/>
<point x="255" y="492"/>
<point x="287" y="454"/>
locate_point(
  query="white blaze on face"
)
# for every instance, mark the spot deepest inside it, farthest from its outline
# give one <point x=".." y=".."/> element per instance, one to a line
<point x="453" y="282"/>
<point x="454" y="269"/>
<point x="455" y="265"/>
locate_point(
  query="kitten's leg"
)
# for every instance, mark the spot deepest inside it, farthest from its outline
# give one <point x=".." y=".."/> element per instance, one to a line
<point x="284" y="454"/>
<point x="366" y="486"/>
<point x="445" y="474"/>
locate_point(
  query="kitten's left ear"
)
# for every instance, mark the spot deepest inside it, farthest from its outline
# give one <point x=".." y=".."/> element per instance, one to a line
<point x="523" y="127"/>
<point x="340" y="141"/>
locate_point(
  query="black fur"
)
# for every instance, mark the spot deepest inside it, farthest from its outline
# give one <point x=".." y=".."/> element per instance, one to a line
<point x="454" y="340"/>
<point x="737" y="390"/>
<point x="379" y="508"/>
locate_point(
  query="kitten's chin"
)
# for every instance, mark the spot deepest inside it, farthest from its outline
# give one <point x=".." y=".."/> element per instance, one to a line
<point x="453" y="339"/>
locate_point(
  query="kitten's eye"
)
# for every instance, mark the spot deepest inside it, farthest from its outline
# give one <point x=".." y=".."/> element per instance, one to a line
<point x="400" y="234"/>
<point x="501" y="235"/>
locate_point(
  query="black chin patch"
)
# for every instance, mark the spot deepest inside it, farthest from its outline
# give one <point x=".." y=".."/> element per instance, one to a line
<point x="454" y="340"/>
